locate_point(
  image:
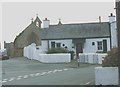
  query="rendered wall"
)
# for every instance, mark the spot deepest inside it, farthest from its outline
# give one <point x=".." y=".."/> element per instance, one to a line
<point x="106" y="76"/>
<point x="54" y="58"/>
<point x="92" y="58"/>
<point x="89" y="48"/>
<point x="32" y="52"/>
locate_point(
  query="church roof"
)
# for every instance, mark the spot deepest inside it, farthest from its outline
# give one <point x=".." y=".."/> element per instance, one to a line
<point x="79" y="30"/>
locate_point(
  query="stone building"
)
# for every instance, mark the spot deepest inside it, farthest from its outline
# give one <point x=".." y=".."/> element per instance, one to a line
<point x="31" y="34"/>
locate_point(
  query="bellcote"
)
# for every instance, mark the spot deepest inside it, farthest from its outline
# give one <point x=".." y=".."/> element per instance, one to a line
<point x="37" y="22"/>
<point x="59" y="23"/>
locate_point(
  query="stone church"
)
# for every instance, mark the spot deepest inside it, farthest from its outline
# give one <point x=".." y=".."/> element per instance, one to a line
<point x="29" y="35"/>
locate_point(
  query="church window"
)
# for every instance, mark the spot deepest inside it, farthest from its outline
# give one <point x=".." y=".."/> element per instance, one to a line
<point x="37" y="24"/>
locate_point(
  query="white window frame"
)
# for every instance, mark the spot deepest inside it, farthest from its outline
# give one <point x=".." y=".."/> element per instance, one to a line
<point x="101" y="45"/>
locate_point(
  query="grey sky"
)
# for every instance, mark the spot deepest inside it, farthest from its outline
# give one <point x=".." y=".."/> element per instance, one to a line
<point x="17" y="16"/>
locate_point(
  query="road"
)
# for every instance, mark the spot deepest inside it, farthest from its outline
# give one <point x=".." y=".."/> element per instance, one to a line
<point x="22" y="71"/>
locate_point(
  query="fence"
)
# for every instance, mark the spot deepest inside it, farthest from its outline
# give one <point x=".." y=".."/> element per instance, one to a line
<point x="92" y="58"/>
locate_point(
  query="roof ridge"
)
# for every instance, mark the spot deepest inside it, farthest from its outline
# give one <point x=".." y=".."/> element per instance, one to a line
<point x="79" y="23"/>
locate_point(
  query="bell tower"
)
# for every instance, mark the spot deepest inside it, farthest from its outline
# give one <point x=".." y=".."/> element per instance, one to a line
<point x="37" y="21"/>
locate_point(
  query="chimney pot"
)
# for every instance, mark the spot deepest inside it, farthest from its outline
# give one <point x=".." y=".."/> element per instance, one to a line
<point x="45" y="18"/>
<point x="111" y="14"/>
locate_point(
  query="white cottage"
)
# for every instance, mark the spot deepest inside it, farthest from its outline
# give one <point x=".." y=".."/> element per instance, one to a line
<point x="80" y="37"/>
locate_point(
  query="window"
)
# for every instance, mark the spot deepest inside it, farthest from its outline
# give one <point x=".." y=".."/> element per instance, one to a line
<point x="52" y="44"/>
<point x="93" y="43"/>
<point x="99" y="43"/>
<point x="63" y="44"/>
<point x="66" y="47"/>
<point x="37" y="24"/>
<point x="58" y="44"/>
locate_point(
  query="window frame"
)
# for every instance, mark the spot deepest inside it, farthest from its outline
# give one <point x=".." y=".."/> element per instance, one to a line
<point x="52" y="44"/>
<point x="99" y="46"/>
<point x="58" y="45"/>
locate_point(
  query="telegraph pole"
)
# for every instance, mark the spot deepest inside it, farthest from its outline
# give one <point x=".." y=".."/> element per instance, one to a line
<point x="118" y="32"/>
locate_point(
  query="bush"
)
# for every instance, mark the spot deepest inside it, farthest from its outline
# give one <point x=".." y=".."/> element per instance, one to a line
<point x="111" y="60"/>
<point x="57" y="50"/>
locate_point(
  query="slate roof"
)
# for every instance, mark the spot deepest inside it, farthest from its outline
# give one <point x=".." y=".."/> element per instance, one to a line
<point x="80" y="30"/>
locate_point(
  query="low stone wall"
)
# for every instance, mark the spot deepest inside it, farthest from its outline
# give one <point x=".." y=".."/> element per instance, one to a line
<point x="106" y="76"/>
<point x="92" y="58"/>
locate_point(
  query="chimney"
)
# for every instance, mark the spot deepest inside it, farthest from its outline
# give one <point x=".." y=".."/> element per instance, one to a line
<point x="46" y="23"/>
<point x="111" y="18"/>
<point x="113" y="30"/>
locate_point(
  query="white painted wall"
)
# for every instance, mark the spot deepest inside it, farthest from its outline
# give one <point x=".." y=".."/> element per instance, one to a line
<point x="92" y="58"/>
<point x="44" y="45"/>
<point x="55" y="58"/>
<point x="67" y="42"/>
<point x="37" y="54"/>
<point x="106" y="76"/>
<point x="89" y="48"/>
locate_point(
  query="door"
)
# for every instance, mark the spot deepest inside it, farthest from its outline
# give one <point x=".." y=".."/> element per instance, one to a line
<point x="79" y="48"/>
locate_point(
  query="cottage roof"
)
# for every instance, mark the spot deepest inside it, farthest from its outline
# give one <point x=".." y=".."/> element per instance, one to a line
<point x="80" y="30"/>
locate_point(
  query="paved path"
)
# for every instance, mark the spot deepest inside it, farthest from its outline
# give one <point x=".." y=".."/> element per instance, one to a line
<point x="21" y="71"/>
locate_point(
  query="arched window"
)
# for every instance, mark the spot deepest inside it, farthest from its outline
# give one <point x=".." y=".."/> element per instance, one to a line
<point x="37" y="24"/>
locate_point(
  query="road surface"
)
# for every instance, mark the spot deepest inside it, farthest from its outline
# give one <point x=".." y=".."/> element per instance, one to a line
<point x="22" y="71"/>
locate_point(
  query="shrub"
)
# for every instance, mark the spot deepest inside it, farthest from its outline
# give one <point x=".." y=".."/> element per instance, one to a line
<point x="57" y="50"/>
<point x="111" y="60"/>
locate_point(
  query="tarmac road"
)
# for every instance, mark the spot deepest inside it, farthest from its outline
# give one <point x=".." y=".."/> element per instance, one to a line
<point x="22" y="71"/>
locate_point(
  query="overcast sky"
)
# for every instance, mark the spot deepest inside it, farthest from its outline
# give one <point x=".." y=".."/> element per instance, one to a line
<point x="17" y="16"/>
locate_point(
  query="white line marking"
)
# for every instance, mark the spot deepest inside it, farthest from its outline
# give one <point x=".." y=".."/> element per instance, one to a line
<point x="49" y="72"/>
<point x="59" y="70"/>
<point x="19" y="76"/>
<point x="31" y="74"/>
<point x="25" y="76"/>
<point x="55" y="70"/>
<point x="87" y="83"/>
<point x="11" y="79"/>
<point x="37" y="74"/>
<point x="4" y="81"/>
<point x="65" y="69"/>
<point x="43" y="73"/>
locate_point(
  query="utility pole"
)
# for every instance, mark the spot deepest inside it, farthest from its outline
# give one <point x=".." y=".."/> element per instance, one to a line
<point x="118" y="32"/>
